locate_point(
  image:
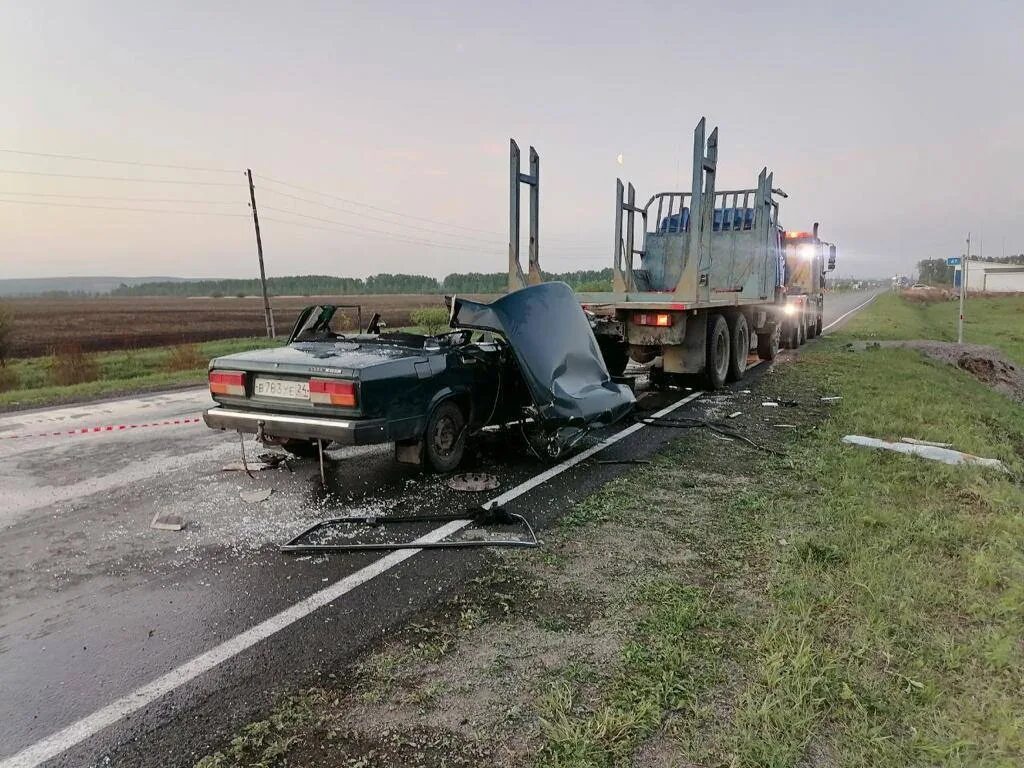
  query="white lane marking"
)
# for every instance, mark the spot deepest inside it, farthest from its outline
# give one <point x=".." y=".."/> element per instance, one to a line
<point x="845" y="314"/>
<point x="90" y="725"/>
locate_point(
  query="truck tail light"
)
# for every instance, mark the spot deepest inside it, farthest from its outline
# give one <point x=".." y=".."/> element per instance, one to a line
<point x="227" y="383"/>
<point x="657" y="319"/>
<point x="332" y="392"/>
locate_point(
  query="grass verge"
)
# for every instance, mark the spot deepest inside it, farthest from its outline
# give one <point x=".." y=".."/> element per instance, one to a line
<point x="998" y="322"/>
<point x="115" y="373"/>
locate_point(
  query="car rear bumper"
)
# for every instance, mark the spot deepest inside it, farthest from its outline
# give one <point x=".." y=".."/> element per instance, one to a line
<point x="344" y="431"/>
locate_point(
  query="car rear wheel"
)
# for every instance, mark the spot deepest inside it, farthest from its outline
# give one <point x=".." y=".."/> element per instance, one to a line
<point x="739" y="338"/>
<point x="716" y="362"/>
<point x="445" y="438"/>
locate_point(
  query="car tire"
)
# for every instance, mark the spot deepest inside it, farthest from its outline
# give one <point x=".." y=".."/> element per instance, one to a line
<point x="716" y="361"/>
<point x="302" y="449"/>
<point x="739" y="346"/>
<point x="768" y="343"/>
<point x="445" y="438"/>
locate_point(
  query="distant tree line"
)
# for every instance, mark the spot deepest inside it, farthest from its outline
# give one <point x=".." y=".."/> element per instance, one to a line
<point x="938" y="272"/>
<point x="327" y="285"/>
<point x="935" y="272"/>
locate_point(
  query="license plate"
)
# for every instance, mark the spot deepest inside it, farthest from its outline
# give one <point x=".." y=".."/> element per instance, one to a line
<point x="286" y="388"/>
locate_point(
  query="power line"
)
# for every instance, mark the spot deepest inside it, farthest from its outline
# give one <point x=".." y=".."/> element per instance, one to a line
<point x="378" y="208"/>
<point x="366" y="229"/>
<point x="370" y="233"/>
<point x="117" y="162"/>
<point x="378" y="218"/>
<point x="122" y="178"/>
<point x="502" y="235"/>
<point x="121" y="208"/>
<point x="122" y="199"/>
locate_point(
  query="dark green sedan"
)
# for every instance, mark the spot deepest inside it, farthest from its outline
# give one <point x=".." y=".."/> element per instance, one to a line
<point x="427" y="394"/>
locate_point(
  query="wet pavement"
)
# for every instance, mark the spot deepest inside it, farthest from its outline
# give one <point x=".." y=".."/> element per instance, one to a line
<point x="96" y="604"/>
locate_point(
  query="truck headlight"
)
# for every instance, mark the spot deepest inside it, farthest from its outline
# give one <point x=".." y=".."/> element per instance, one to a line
<point x="790" y="309"/>
<point x="807" y="251"/>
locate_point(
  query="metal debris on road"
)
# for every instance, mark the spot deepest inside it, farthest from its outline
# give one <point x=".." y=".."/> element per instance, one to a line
<point x="932" y="452"/>
<point x="252" y="466"/>
<point x="255" y="497"/>
<point x="734" y="414"/>
<point x="167" y="522"/>
<point x="480" y="516"/>
<point x="473" y="482"/>
<point x="770" y="405"/>
<point x="785" y="426"/>
<point x="831" y="399"/>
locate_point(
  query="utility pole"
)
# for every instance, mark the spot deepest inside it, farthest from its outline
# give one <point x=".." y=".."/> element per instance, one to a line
<point x="963" y="291"/>
<point x="268" y="314"/>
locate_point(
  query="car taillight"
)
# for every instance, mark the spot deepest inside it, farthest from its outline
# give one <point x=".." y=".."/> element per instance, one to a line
<point x="657" y="319"/>
<point x="227" y="383"/>
<point x="332" y="392"/>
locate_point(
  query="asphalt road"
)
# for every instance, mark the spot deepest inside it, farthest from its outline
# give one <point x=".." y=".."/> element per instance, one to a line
<point x="125" y="645"/>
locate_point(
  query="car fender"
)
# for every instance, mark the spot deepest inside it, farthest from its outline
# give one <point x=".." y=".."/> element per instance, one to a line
<point x="447" y="393"/>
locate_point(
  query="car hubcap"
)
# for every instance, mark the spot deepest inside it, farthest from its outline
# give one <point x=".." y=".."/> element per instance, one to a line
<point x="445" y="436"/>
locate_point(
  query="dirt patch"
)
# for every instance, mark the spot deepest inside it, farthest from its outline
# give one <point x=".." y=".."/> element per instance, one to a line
<point x="929" y="295"/>
<point x="987" y="364"/>
<point x="113" y="322"/>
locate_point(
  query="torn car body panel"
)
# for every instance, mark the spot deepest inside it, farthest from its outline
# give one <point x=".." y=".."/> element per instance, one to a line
<point x="557" y="354"/>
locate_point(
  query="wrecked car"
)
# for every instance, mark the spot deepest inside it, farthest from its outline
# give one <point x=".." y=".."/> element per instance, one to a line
<point x="528" y="359"/>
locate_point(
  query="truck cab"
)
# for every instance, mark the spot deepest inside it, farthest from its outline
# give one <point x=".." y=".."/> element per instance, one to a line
<point x="807" y="259"/>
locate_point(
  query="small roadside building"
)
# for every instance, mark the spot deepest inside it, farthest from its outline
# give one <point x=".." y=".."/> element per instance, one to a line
<point x="995" y="278"/>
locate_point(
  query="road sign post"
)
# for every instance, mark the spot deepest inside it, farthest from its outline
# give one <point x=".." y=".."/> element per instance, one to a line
<point x="963" y="290"/>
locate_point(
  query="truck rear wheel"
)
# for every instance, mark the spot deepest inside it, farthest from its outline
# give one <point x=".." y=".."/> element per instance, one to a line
<point x="739" y="346"/>
<point x="615" y="354"/>
<point x="817" y="325"/>
<point x="801" y="332"/>
<point x="768" y="343"/>
<point x="790" y="335"/>
<point x="716" y="361"/>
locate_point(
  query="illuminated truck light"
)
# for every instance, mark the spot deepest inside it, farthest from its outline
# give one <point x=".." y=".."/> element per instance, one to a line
<point x="657" y="319"/>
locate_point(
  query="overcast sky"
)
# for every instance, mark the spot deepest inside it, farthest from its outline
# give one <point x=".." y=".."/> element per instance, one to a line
<point x="898" y="125"/>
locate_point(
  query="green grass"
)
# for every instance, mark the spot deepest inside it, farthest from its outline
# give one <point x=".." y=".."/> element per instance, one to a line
<point x="119" y="372"/>
<point x="891" y="630"/>
<point x="667" y="664"/>
<point x="995" y="321"/>
<point x="894" y="634"/>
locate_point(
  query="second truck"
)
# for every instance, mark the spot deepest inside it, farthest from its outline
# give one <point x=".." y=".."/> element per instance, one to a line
<point x="701" y="279"/>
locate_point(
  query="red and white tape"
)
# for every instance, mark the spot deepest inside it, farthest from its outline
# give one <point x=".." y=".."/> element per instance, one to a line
<point x="108" y="428"/>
